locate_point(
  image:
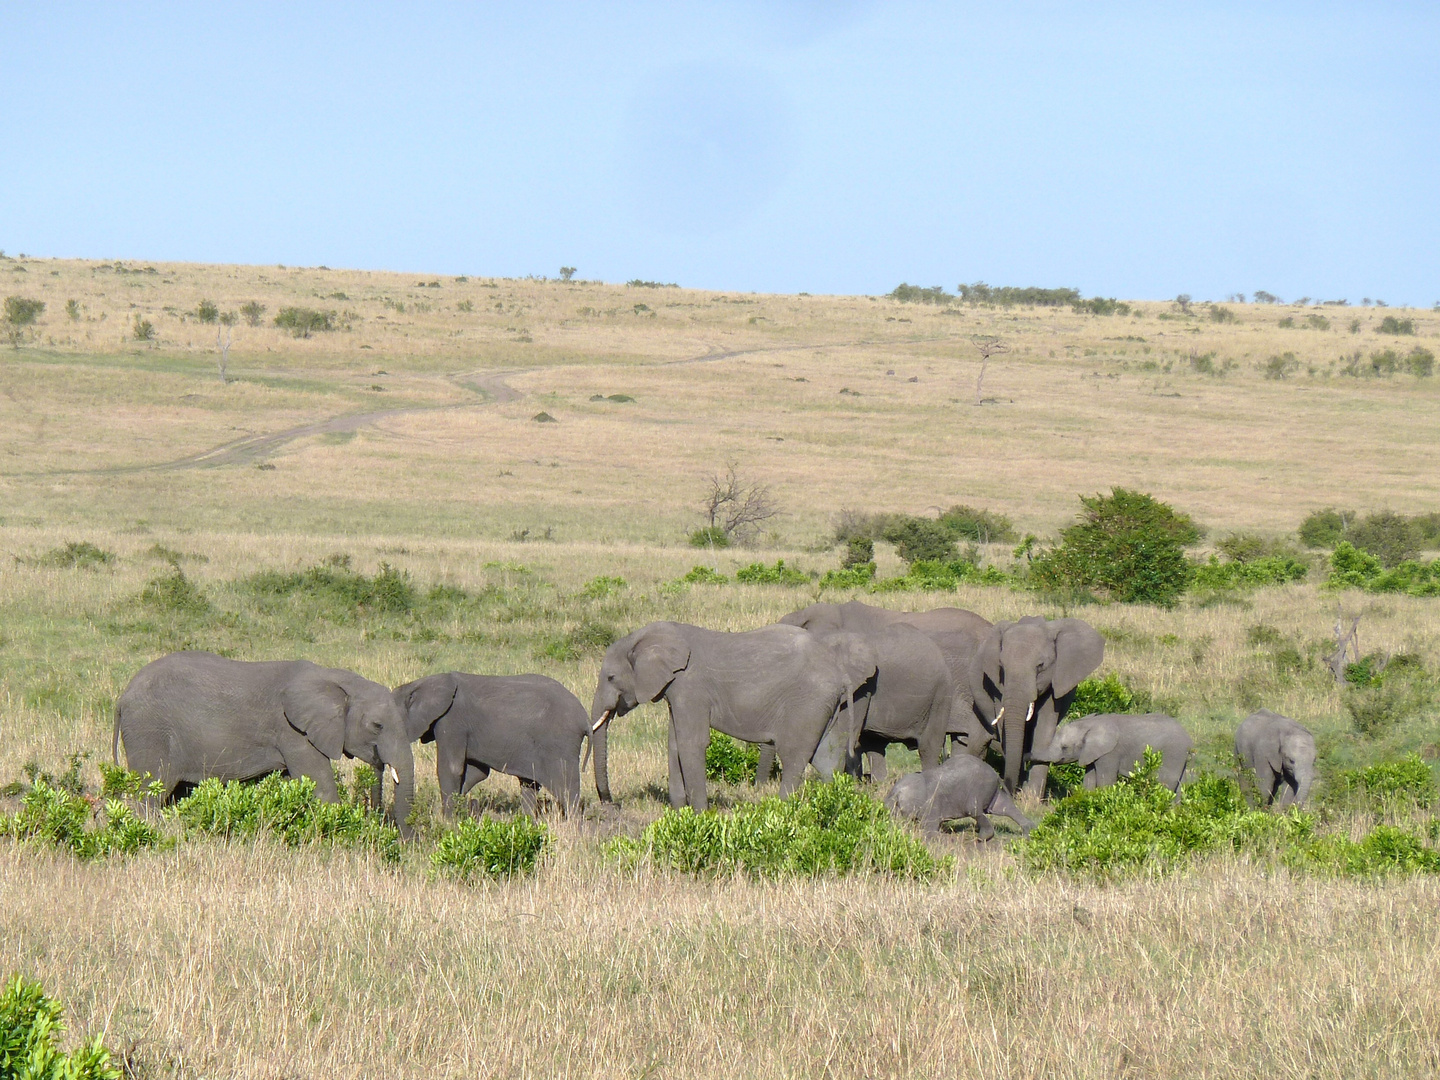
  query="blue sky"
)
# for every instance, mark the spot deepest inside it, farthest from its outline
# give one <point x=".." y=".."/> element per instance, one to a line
<point x="840" y="147"/>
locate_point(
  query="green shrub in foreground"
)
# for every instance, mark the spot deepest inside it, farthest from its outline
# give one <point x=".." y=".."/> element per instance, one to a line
<point x="1391" y="784"/>
<point x="30" y="1024"/>
<point x="730" y="760"/>
<point x="491" y="848"/>
<point x="824" y="828"/>
<point x="1108" y="695"/>
<point x="288" y="810"/>
<point x="88" y="828"/>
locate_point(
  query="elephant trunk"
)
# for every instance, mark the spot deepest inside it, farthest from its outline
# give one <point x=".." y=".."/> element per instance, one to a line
<point x="1015" y="712"/>
<point x="398" y="757"/>
<point x="598" y="739"/>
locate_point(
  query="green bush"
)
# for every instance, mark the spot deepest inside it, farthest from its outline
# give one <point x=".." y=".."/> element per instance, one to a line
<point x="30" y="1025"/>
<point x="142" y="329"/>
<point x="174" y="592"/>
<point x="1283" y="365"/>
<point x="302" y="321"/>
<point x="252" y="310"/>
<point x="491" y="848"/>
<point x="1351" y="568"/>
<point x="207" y="312"/>
<point x="1216" y="576"/>
<point x="703" y="575"/>
<point x="779" y="574"/>
<point x="601" y="587"/>
<point x="68" y="819"/>
<point x="920" y="539"/>
<point x="1386" y="850"/>
<point x="588" y="637"/>
<point x="1326" y="528"/>
<point x="1391" y="325"/>
<point x="1010" y="295"/>
<point x="20" y="314"/>
<point x="1420" y="363"/>
<point x="333" y="584"/>
<point x="1127" y="545"/>
<point x="914" y="294"/>
<point x="980" y="526"/>
<point x="288" y="810"/>
<point x="859" y="551"/>
<point x="1389" y="785"/>
<point x="1108" y="695"/>
<point x="81" y="556"/>
<point x="730" y="760"/>
<point x="925" y="575"/>
<point x="709" y="536"/>
<point x="824" y="828"/>
<point x="858" y="576"/>
<point x="1390" y="537"/>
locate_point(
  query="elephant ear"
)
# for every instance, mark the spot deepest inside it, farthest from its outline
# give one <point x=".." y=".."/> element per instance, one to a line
<point x="1079" y="648"/>
<point x="425" y="701"/>
<point x="856" y="658"/>
<point x="315" y="706"/>
<point x="985" y="683"/>
<point x="1098" y="742"/>
<point x="658" y="656"/>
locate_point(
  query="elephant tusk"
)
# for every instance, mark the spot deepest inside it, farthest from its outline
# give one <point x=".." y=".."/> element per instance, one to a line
<point x="392" y="774"/>
<point x="1031" y="714"/>
<point x="604" y="718"/>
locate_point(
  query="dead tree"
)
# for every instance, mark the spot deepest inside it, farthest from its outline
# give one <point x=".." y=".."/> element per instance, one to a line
<point x="1347" y="643"/>
<point x="989" y="346"/>
<point x="737" y="506"/>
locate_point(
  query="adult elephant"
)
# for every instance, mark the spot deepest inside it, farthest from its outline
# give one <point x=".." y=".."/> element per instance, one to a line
<point x="1022" y="681"/>
<point x="191" y="716"/>
<point x="526" y="726"/>
<point x="957" y="633"/>
<point x="778" y="685"/>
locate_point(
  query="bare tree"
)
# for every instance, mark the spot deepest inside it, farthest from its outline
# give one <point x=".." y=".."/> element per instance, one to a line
<point x="224" y="338"/>
<point x="989" y="345"/>
<point x="737" y="506"/>
<point x="1347" y="640"/>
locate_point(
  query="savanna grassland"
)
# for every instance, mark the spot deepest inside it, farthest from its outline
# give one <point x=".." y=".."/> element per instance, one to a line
<point x="405" y="437"/>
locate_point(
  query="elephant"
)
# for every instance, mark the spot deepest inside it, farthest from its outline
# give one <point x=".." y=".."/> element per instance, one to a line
<point x="1109" y="744"/>
<point x="778" y="685"/>
<point x="962" y="787"/>
<point x="526" y="726"/>
<point x="1280" y="753"/>
<point x="956" y="632"/>
<point x="191" y="716"/>
<point x="1022" y="680"/>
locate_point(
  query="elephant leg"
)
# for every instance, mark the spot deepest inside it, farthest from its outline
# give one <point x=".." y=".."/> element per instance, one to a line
<point x="677" y="782"/>
<point x="875" y="762"/>
<point x="1106" y="771"/>
<point x="302" y="759"/>
<point x="932" y="744"/>
<point x="984" y="827"/>
<point x="766" y="764"/>
<point x="1091" y="782"/>
<point x="529" y="789"/>
<point x="450" y="770"/>
<point x="794" y="757"/>
<point x="474" y="774"/>
<point x="692" y="766"/>
<point x="1005" y="806"/>
<point x="1045" y="723"/>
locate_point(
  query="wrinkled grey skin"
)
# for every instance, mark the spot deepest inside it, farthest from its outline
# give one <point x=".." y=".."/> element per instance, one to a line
<point x="962" y="787"/>
<point x="191" y="716"/>
<point x="1025" y="673"/>
<point x="957" y="633"/>
<point x="526" y="726"/>
<point x="1281" y="755"/>
<point x="1112" y="744"/>
<point x="779" y="685"/>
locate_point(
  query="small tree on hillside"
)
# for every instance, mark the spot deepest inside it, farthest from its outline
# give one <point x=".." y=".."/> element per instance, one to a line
<point x="735" y="507"/>
<point x="224" y="338"/>
<point x="988" y="345"/>
<point x="20" y="315"/>
<point x="566" y="273"/>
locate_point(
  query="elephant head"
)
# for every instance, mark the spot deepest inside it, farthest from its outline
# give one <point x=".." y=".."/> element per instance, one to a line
<point x="1024" y="676"/>
<point x="343" y="715"/>
<point x="858" y="665"/>
<point x="636" y="669"/>
<point x="425" y="701"/>
<point x="1083" y="743"/>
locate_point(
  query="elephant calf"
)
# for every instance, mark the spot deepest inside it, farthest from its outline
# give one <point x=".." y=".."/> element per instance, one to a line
<point x="526" y="726"/>
<point x="963" y="786"/>
<point x="1280" y="753"/>
<point x="1109" y="744"/>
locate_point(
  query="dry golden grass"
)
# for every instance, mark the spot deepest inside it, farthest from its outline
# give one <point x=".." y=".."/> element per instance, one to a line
<point x="247" y="961"/>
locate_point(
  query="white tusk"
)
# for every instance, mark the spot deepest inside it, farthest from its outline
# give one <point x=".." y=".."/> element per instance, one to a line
<point x="999" y="715"/>
<point x="1031" y="714"/>
<point x="604" y="717"/>
<point x="392" y="774"/>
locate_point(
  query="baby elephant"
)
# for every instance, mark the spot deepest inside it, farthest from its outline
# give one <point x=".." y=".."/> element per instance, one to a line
<point x="1109" y="744"/>
<point x="963" y="786"/>
<point x="527" y="726"/>
<point x="1279" y="752"/>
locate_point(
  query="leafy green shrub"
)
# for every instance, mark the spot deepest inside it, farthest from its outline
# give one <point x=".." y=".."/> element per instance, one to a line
<point x="1388" y="536"/>
<point x="1391" y="784"/>
<point x="824" y="828"/>
<point x="853" y="524"/>
<point x="1326" y="528"/>
<point x="1100" y="305"/>
<point x="730" y="760"/>
<point x="1391" y="325"/>
<point x="20" y="314"/>
<point x="914" y="294"/>
<point x="711" y="536"/>
<point x="1283" y="365"/>
<point x="588" y="637"/>
<point x="335" y="585"/>
<point x="142" y="329"/>
<point x="67" y="819"/>
<point x="779" y="574"/>
<point x="288" y="810"/>
<point x="207" y="312"/>
<point x="1127" y="545"/>
<point x="30" y="1024"/>
<point x="859" y="576"/>
<point x="859" y="551"/>
<point x="1268" y="570"/>
<point x="1108" y="695"/>
<point x="703" y="575"/>
<point x="303" y="321"/>
<point x="981" y="526"/>
<point x="1351" y="568"/>
<point x="1010" y="295"/>
<point x="1248" y="547"/>
<point x="174" y="592"/>
<point x="1420" y="363"/>
<point x="599" y="588"/>
<point x="920" y="539"/>
<point x="924" y="575"/>
<point x="1386" y="850"/>
<point x="252" y="310"/>
<point x="81" y="556"/>
<point x="1317" y="322"/>
<point x="491" y="848"/>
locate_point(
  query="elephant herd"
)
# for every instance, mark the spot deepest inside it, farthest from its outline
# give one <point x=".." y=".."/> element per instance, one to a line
<point x="830" y="686"/>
